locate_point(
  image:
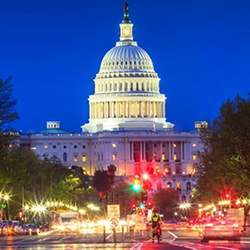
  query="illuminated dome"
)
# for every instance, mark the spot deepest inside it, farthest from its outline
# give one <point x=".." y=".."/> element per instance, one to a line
<point x="127" y="90"/>
<point x="127" y="58"/>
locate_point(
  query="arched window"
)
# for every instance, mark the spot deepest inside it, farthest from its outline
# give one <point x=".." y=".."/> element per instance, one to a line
<point x="188" y="186"/>
<point x="65" y="158"/>
<point x="178" y="186"/>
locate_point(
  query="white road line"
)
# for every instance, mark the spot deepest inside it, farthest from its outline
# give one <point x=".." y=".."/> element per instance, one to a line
<point x="227" y="248"/>
<point x="109" y="236"/>
<point x="137" y="246"/>
<point x="245" y="241"/>
<point x="182" y="245"/>
<point x="174" y="235"/>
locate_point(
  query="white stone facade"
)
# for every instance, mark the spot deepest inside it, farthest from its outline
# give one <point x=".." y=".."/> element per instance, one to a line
<point x="171" y="155"/>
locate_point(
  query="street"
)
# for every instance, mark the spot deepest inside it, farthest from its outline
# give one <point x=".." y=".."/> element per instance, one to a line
<point x="76" y="242"/>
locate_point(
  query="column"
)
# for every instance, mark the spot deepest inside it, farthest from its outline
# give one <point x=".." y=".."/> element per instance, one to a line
<point x="141" y="151"/>
<point x="170" y="151"/>
<point x="181" y="149"/>
<point x="117" y="109"/>
<point x="154" y="109"/>
<point x="95" y="110"/>
<point x="111" y="109"/>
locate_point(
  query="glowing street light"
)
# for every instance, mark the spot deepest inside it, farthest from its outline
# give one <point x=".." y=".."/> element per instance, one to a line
<point x="185" y="205"/>
<point x="38" y="209"/>
<point x="6" y="197"/>
<point x="93" y="207"/>
<point x="145" y="176"/>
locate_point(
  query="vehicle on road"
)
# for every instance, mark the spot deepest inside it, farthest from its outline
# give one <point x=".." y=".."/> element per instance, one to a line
<point x="222" y="231"/>
<point x="67" y="222"/>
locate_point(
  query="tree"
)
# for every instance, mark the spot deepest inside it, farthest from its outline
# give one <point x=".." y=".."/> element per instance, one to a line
<point x="103" y="180"/>
<point x="101" y="183"/>
<point x="225" y="163"/>
<point x="167" y="201"/>
<point x="30" y="178"/>
<point x="7" y="110"/>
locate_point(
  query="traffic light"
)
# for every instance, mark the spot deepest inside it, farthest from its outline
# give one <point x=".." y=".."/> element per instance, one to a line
<point x="136" y="187"/>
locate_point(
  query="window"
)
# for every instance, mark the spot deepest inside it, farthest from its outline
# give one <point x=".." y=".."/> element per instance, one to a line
<point x="75" y="158"/>
<point x="64" y="146"/>
<point x="175" y="157"/>
<point x="83" y="146"/>
<point x="193" y="145"/>
<point x="114" y="156"/>
<point x="45" y="146"/>
<point x="178" y="186"/>
<point x="54" y="146"/>
<point x="84" y="158"/>
<point x="65" y="157"/>
<point x="167" y="171"/>
<point x="45" y="156"/>
<point x="75" y="146"/>
<point x="169" y="185"/>
<point x="194" y="157"/>
<point x="113" y="145"/>
<point x="188" y="186"/>
<point x="163" y="157"/>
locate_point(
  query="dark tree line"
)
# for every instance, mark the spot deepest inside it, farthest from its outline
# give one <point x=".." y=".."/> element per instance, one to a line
<point x="27" y="177"/>
<point x="225" y="163"/>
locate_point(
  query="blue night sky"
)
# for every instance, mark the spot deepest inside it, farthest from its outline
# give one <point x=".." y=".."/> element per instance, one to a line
<point x="53" y="49"/>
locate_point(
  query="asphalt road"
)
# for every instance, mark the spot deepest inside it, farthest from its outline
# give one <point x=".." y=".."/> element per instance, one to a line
<point x="76" y="242"/>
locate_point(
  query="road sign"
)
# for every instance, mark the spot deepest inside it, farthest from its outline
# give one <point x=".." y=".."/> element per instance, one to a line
<point x="113" y="211"/>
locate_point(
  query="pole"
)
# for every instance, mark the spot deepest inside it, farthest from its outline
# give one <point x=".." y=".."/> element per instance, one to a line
<point x="104" y="234"/>
<point x="114" y="234"/>
<point x="122" y="233"/>
<point x="7" y="210"/>
<point x="22" y="197"/>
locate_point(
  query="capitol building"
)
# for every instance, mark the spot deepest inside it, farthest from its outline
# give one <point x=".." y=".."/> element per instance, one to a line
<point x="127" y="124"/>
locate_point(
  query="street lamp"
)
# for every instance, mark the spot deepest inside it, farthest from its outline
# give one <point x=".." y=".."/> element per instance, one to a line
<point x="185" y="205"/>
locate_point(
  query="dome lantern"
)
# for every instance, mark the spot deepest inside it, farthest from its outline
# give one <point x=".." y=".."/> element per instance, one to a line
<point x="126" y="27"/>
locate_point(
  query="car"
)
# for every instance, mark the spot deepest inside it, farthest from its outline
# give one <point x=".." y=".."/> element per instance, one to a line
<point x="221" y="231"/>
<point x="31" y="229"/>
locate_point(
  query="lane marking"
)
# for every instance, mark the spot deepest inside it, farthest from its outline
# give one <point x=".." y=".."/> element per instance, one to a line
<point x="172" y="234"/>
<point x="182" y="245"/>
<point x="228" y="248"/>
<point x="109" y="236"/>
<point x="137" y="246"/>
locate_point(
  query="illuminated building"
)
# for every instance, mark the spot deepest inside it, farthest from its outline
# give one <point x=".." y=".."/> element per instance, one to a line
<point x="127" y="124"/>
<point x="127" y="89"/>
